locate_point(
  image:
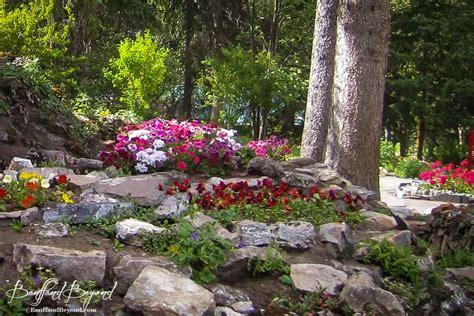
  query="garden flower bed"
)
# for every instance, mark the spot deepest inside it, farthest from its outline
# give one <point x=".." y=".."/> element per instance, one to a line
<point x="191" y="147"/>
<point x="458" y="179"/>
<point x="31" y="189"/>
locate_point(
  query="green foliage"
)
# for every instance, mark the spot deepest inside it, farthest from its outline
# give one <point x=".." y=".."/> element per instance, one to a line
<point x="456" y="259"/>
<point x="408" y="292"/>
<point x="272" y="263"/>
<point x="389" y="155"/>
<point x="310" y="303"/>
<point x="201" y="248"/>
<point x="39" y="28"/>
<point x="397" y="262"/>
<point x="137" y="72"/>
<point x="17" y="225"/>
<point x="410" y="168"/>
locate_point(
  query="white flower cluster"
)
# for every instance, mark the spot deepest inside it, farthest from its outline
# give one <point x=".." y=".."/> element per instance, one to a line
<point x="150" y="158"/>
<point x="139" y="133"/>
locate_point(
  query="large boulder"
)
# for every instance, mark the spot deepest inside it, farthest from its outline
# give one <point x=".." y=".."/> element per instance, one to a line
<point x="130" y="267"/>
<point x="144" y="189"/>
<point x="309" y="277"/>
<point x="254" y="233"/>
<point x="261" y="166"/>
<point x="157" y="291"/>
<point x="172" y="206"/>
<point x="294" y="234"/>
<point x="18" y="164"/>
<point x="67" y="264"/>
<point x="364" y="296"/>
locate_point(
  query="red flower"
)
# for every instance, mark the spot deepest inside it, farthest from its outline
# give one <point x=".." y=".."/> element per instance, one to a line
<point x="27" y="201"/>
<point x="32" y="186"/>
<point x="181" y="166"/>
<point x="464" y="163"/>
<point x="3" y="193"/>
<point x="443" y="179"/>
<point x="436" y="164"/>
<point x="160" y="187"/>
<point x="196" y="160"/>
<point x="62" y="179"/>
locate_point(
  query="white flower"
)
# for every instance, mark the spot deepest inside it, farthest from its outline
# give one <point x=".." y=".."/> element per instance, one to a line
<point x="44" y="183"/>
<point x="141" y="133"/>
<point x="158" y="143"/>
<point x="141" y="167"/>
<point x="132" y="147"/>
<point x="7" y="179"/>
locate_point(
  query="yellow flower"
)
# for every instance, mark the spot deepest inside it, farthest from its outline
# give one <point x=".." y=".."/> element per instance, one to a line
<point x="7" y="179"/>
<point x="32" y="175"/>
<point x="44" y="183"/>
<point x="66" y="198"/>
<point x="173" y="249"/>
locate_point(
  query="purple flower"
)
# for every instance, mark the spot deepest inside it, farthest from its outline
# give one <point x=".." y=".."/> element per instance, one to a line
<point x="242" y="244"/>
<point x="37" y="280"/>
<point x="194" y="236"/>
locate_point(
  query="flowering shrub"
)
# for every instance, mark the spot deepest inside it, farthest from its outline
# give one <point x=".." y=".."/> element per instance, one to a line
<point x="273" y="147"/>
<point x="450" y="177"/>
<point x="162" y="144"/>
<point x="269" y="202"/>
<point x="31" y="189"/>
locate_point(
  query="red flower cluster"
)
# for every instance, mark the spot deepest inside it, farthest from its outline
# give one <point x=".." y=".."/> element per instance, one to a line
<point x="3" y="193"/>
<point x="267" y="194"/>
<point x="451" y="177"/>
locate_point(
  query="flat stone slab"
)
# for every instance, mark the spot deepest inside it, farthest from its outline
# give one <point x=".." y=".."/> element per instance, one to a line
<point x="82" y="213"/>
<point x="309" y="277"/>
<point x="67" y="264"/>
<point x="157" y="291"/>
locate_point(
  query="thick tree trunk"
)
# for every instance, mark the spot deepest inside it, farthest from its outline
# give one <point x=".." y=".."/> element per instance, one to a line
<point x="359" y="79"/>
<point x="320" y="82"/>
<point x="187" y="106"/>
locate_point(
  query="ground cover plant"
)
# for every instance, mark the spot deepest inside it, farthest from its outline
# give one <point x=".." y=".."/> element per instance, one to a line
<point x="450" y="177"/>
<point x="269" y="202"/>
<point x="31" y="189"/>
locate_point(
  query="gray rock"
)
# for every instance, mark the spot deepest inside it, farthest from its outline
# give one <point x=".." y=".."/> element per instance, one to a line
<point x="327" y="176"/>
<point x="300" y="180"/>
<point x="131" y="231"/>
<point x="244" y="307"/>
<point x="466" y="272"/>
<point x="83" y="212"/>
<point x="336" y="238"/>
<point x="360" y="191"/>
<point x="157" y="291"/>
<point x="67" y="264"/>
<point x="251" y="182"/>
<point x="172" y="206"/>
<point x="226" y="296"/>
<point x="87" y="197"/>
<point x="51" y="230"/>
<point x="230" y="236"/>
<point x="294" y="234"/>
<point x="10" y="215"/>
<point x="129" y="268"/>
<point x="308" y="277"/>
<point x="261" y="166"/>
<point x="402" y="211"/>
<point x="142" y="188"/>
<point x="398" y="238"/>
<point x="48" y="173"/>
<point x="18" y="164"/>
<point x="87" y="181"/>
<point x="380" y="222"/>
<point x="198" y="219"/>
<point x="30" y="215"/>
<point x="364" y="296"/>
<point x="89" y="164"/>
<point x="298" y="163"/>
<point x="111" y="172"/>
<point x="226" y="311"/>
<point x="254" y="233"/>
<point x="456" y="298"/>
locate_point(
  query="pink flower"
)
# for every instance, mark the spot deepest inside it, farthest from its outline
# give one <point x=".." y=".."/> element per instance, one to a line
<point x="261" y="152"/>
<point x="196" y="160"/>
<point x="181" y="166"/>
<point x="443" y="179"/>
<point x="436" y="164"/>
<point x="464" y="163"/>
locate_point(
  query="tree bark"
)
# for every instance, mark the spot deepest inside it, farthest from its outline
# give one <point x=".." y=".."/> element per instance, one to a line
<point x="320" y="82"/>
<point x="187" y="106"/>
<point x="420" y="137"/>
<point x="353" y="147"/>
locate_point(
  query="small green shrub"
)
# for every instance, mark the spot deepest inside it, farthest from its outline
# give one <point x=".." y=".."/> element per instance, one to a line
<point x="409" y="293"/>
<point x="397" y="262"/>
<point x="389" y="155"/>
<point x="311" y="303"/>
<point x="456" y="259"/>
<point x="273" y="263"/>
<point x="201" y="248"/>
<point x="410" y="168"/>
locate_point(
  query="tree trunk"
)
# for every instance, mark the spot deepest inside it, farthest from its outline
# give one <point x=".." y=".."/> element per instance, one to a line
<point x="264" y="123"/>
<point x="320" y="81"/>
<point x="420" y="137"/>
<point x="359" y="80"/>
<point x="187" y="106"/>
<point x="404" y="142"/>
